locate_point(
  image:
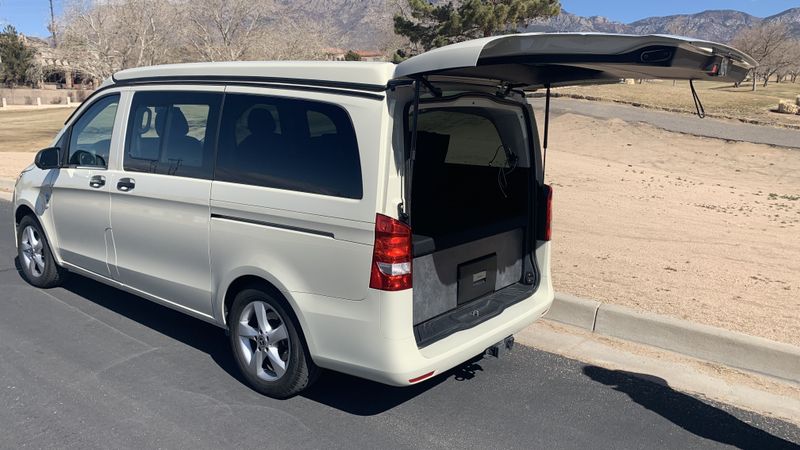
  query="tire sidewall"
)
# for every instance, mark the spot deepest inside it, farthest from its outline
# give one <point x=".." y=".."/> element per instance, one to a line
<point x="286" y="385"/>
<point x="51" y="276"/>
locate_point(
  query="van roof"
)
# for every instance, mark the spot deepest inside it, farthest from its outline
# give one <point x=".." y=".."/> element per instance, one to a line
<point x="370" y="76"/>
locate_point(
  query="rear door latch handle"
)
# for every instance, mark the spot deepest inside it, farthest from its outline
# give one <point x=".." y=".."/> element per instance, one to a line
<point x="97" y="181"/>
<point x="126" y="184"/>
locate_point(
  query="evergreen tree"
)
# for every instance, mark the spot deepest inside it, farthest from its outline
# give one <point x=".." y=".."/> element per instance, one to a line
<point x="352" y="56"/>
<point x="431" y="25"/>
<point x="16" y="59"/>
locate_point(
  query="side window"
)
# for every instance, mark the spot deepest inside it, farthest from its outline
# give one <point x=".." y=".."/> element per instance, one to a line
<point x="172" y="133"/>
<point x="290" y="144"/>
<point x="90" y="140"/>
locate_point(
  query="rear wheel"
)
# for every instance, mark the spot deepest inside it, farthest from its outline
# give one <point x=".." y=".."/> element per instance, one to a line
<point x="267" y="345"/>
<point x="35" y="256"/>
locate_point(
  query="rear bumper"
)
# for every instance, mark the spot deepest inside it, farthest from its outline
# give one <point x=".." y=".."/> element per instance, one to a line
<point x="388" y="353"/>
<point x="399" y="361"/>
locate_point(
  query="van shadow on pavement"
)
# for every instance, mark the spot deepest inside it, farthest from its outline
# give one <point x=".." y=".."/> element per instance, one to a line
<point x="687" y="412"/>
<point x="346" y="393"/>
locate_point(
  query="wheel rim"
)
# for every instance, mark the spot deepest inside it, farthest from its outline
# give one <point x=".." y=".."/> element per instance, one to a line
<point x="263" y="341"/>
<point x="32" y="251"/>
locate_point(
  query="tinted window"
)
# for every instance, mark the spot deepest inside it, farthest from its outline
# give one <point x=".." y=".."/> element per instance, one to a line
<point x="172" y="133"/>
<point x="90" y="141"/>
<point x="288" y="144"/>
<point x="473" y="138"/>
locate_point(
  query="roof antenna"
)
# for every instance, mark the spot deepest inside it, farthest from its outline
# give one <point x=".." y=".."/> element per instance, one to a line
<point x="701" y="112"/>
<point x="546" y="128"/>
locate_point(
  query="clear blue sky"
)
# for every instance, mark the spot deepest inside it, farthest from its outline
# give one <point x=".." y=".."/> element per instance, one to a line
<point x="32" y="16"/>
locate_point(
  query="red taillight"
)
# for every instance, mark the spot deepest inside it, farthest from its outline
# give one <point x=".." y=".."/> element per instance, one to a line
<point x="391" y="258"/>
<point x="548" y="211"/>
<point x="421" y="377"/>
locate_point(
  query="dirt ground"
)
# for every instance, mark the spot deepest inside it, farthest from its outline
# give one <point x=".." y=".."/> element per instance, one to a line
<point x="29" y="130"/>
<point x="701" y="229"/>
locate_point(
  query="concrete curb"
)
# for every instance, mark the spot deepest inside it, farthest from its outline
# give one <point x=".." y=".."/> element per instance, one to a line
<point x="696" y="340"/>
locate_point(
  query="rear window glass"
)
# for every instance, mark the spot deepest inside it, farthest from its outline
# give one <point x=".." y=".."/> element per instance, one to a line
<point x="473" y="138"/>
<point x="288" y="144"/>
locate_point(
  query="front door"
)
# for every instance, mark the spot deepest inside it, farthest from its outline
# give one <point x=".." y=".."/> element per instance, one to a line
<point x="81" y="190"/>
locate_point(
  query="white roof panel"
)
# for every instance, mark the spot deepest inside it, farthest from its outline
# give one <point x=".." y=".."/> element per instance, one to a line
<point x="330" y="72"/>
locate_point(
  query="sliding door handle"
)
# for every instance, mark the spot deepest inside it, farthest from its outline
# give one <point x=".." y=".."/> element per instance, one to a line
<point x="126" y="184"/>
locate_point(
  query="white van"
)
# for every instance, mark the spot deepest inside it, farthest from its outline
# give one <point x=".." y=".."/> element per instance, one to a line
<point x="386" y="221"/>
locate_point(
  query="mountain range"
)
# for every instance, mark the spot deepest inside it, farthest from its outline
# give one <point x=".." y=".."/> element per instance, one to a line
<point x="367" y="24"/>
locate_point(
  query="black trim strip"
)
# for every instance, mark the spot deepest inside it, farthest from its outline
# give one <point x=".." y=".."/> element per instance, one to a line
<point x="258" y="79"/>
<point x="274" y="225"/>
<point x="236" y="81"/>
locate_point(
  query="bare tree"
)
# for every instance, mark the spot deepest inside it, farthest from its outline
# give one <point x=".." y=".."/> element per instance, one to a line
<point x="100" y="38"/>
<point x="224" y="30"/>
<point x="770" y="44"/>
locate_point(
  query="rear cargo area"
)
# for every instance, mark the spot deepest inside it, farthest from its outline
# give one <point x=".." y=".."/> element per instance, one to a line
<point x="470" y="215"/>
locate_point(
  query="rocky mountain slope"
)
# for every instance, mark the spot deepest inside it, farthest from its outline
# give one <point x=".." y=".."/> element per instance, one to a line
<point x="367" y="24"/>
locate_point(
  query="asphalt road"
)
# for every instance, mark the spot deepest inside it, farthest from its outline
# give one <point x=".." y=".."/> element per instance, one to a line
<point x="680" y="123"/>
<point x="88" y="366"/>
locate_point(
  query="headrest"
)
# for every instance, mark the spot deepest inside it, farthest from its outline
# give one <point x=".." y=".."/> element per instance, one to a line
<point x="179" y="126"/>
<point x="260" y="122"/>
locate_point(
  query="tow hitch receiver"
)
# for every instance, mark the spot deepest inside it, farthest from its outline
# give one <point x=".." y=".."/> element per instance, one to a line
<point x="501" y="348"/>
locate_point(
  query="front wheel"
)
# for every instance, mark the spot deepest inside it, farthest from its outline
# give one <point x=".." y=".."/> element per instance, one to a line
<point x="35" y="256"/>
<point x="267" y="345"/>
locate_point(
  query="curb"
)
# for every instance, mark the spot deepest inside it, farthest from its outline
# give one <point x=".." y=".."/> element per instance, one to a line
<point x="692" y="339"/>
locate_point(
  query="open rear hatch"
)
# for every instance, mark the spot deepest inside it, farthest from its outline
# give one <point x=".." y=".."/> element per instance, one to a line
<point x="533" y="60"/>
<point x="473" y="197"/>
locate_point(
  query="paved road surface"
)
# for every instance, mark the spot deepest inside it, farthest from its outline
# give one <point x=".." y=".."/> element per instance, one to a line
<point x="87" y="366"/>
<point x="681" y="123"/>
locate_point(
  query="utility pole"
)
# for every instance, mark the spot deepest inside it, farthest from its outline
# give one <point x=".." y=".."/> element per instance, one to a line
<point x="53" y="24"/>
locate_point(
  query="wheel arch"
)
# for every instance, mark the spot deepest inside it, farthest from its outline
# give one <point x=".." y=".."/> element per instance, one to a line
<point x="253" y="279"/>
<point x="22" y="211"/>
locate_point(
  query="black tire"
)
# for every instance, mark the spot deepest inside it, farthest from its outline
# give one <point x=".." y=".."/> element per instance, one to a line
<point x="51" y="275"/>
<point x="300" y="370"/>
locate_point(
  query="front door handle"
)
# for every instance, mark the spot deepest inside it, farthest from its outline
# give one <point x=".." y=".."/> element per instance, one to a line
<point x="126" y="184"/>
<point x="97" y="181"/>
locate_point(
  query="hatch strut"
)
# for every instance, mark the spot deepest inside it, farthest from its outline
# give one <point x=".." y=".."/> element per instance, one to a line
<point x="701" y="112"/>
<point x="404" y="207"/>
<point x="546" y="128"/>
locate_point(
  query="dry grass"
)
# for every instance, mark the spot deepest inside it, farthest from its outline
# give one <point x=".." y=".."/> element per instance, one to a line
<point x="719" y="99"/>
<point x="30" y="130"/>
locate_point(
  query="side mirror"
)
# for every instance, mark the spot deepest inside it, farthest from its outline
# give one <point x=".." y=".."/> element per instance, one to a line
<point x="48" y="158"/>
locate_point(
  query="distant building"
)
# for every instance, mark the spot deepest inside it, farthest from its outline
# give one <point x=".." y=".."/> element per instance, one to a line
<point x="338" y="54"/>
<point x="55" y="71"/>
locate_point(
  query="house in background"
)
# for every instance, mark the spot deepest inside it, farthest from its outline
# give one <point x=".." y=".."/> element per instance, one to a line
<point x="338" y="54"/>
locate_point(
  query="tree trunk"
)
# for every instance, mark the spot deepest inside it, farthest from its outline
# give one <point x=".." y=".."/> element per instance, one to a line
<point x="754" y="80"/>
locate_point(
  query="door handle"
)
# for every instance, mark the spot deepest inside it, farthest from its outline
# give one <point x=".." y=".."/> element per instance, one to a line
<point x="97" y="181"/>
<point x="126" y="184"/>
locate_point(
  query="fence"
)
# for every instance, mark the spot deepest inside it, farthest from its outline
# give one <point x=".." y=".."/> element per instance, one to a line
<point x="28" y="96"/>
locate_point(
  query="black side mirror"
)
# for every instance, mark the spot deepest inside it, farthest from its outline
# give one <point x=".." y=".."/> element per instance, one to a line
<point x="48" y="158"/>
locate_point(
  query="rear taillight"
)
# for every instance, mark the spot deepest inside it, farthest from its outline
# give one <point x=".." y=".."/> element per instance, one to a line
<point x="391" y="258"/>
<point x="548" y="210"/>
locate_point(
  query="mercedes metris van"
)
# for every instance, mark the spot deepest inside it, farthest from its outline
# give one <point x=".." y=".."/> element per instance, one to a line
<point x="386" y="221"/>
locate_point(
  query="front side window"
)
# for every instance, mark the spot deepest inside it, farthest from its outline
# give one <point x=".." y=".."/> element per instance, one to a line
<point x="172" y="133"/>
<point x="288" y="144"/>
<point x="90" y="140"/>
